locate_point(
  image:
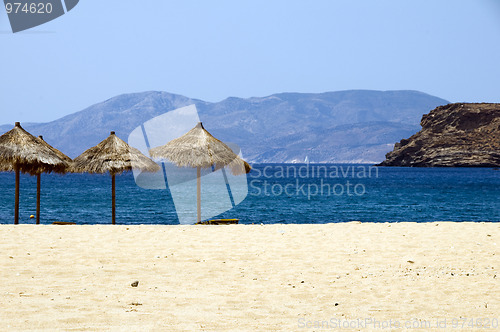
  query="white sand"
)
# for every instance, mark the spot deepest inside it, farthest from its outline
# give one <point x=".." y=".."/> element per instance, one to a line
<point x="247" y="277"/>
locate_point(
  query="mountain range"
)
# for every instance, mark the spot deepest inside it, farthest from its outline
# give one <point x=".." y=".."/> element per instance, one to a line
<point x="356" y="126"/>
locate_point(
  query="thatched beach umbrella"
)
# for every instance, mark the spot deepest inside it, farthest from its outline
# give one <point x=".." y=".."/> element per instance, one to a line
<point x="22" y="152"/>
<point x="199" y="149"/>
<point x="38" y="176"/>
<point x="115" y="156"/>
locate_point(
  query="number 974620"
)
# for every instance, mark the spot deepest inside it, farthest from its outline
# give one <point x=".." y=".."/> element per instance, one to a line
<point x="32" y="8"/>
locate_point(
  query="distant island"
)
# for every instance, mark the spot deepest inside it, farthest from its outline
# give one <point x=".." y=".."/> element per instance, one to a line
<point x="355" y="126"/>
<point x="454" y="135"/>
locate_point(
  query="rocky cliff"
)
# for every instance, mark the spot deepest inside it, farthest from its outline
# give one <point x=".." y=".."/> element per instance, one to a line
<point x="454" y="135"/>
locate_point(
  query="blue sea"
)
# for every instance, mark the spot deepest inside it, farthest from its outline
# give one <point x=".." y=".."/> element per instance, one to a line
<point x="277" y="193"/>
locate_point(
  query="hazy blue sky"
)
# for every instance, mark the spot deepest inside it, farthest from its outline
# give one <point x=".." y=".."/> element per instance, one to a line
<point x="215" y="49"/>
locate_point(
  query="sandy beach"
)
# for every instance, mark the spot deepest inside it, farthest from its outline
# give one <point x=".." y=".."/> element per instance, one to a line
<point x="250" y="277"/>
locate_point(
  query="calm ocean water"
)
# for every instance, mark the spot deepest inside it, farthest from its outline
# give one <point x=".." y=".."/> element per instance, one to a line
<point x="277" y="193"/>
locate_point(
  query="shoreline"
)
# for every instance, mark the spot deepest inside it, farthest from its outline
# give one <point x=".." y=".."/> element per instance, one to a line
<point x="247" y="277"/>
<point x="71" y="223"/>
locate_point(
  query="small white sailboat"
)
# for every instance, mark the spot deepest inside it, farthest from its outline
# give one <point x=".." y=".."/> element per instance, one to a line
<point x="306" y="160"/>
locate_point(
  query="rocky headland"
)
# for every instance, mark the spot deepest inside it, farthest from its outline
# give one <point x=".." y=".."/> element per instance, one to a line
<point x="454" y="135"/>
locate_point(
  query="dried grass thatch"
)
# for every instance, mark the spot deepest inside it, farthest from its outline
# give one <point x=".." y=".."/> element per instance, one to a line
<point x="56" y="151"/>
<point x="198" y="148"/>
<point x="19" y="149"/>
<point x="113" y="155"/>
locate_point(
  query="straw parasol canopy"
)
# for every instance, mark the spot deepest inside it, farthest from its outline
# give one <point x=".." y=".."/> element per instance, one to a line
<point x="199" y="149"/>
<point x="22" y="152"/>
<point x="56" y="151"/>
<point x="112" y="156"/>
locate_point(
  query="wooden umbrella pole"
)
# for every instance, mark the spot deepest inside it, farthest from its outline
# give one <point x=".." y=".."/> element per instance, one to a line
<point x="38" y="180"/>
<point x="113" y="198"/>
<point x="198" y="193"/>
<point x="16" y="212"/>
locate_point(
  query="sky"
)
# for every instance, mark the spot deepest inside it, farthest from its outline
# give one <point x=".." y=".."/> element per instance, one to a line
<point x="212" y="50"/>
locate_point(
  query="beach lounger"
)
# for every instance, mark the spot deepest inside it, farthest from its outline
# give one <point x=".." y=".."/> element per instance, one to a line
<point x="218" y="222"/>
